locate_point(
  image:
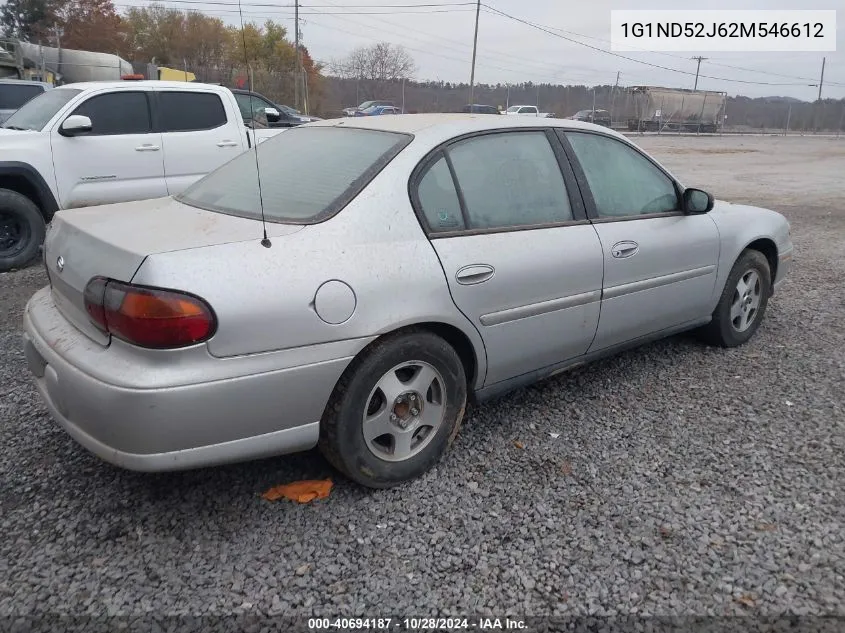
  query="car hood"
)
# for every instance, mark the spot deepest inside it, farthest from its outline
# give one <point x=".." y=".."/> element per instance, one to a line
<point x="14" y="138"/>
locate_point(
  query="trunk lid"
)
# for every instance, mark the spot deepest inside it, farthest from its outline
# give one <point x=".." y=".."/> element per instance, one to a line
<point x="113" y="241"/>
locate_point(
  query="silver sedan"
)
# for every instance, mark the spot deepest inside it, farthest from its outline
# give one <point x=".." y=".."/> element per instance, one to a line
<point x="395" y="268"/>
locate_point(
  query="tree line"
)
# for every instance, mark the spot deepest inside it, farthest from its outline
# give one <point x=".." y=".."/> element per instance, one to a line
<point x="189" y="40"/>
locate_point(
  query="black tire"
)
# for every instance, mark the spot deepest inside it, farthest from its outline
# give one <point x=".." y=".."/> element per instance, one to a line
<point x="721" y="331"/>
<point x="342" y="439"/>
<point x="22" y="230"/>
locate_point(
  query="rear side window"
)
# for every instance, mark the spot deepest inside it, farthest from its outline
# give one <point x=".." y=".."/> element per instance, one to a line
<point x="510" y="179"/>
<point x="307" y="174"/>
<point x="438" y="198"/>
<point x="190" y="111"/>
<point x="117" y="113"/>
<point x="13" y="96"/>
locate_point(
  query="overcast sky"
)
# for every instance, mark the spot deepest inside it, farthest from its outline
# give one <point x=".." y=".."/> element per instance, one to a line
<point x="441" y="43"/>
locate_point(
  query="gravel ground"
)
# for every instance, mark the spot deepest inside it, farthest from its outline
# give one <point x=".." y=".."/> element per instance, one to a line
<point x="684" y="480"/>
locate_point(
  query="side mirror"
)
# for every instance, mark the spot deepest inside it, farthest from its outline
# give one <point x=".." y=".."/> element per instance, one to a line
<point x="76" y="125"/>
<point x="697" y="201"/>
<point x="273" y="115"/>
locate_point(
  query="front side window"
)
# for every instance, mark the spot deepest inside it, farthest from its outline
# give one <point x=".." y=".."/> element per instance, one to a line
<point x="623" y="181"/>
<point x="510" y="179"/>
<point x="190" y="111"/>
<point x="307" y="174"/>
<point x="38" y="112"/>
<point x="117" y="113"/>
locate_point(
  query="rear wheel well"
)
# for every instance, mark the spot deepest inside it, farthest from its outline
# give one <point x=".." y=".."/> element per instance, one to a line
<point x="23" y="186"/>
<point x="770" y="250"/>
<point x="461" y="344"/>
<point x="452" y="335"/>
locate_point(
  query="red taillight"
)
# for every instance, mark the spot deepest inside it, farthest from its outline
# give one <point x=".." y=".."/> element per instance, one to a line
<point x="148" y="317"/>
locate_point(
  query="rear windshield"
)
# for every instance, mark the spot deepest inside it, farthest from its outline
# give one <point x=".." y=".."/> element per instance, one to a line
<point x="307" y="174"/>
<point x="13" y="96"/>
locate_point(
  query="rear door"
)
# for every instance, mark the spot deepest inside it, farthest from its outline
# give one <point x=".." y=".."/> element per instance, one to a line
<point x="659" y="263"/>
<point x="196" y="135"/>
<point x="119" y="160"/>
<point x="521" y="260"/>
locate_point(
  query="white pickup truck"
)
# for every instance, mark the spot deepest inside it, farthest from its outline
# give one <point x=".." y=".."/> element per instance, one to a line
<point x="526" y="110"/>
<point x="98" y="143"/>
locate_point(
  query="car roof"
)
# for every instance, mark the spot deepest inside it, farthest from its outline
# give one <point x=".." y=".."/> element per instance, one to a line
<point x="128" y="83"/>
<point x="453" y="124"/>
<point x="26" y="82"/>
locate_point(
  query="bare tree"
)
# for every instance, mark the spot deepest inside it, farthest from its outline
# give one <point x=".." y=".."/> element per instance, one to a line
<point x="376" y="66"/>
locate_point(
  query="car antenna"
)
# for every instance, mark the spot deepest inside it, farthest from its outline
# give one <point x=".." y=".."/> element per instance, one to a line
<point x="265" y="242"/>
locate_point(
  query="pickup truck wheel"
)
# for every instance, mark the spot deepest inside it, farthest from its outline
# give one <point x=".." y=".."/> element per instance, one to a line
<point x="22" y="230"/>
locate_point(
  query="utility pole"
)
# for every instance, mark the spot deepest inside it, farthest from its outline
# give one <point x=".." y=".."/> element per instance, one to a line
<point x="297" y="72"/>
<point x="613" y="96"/>
<point x="58" y="33"/>
<point x="474" y="48"/>
<point x="697" y="68"/>
<point x="821" y="81"/>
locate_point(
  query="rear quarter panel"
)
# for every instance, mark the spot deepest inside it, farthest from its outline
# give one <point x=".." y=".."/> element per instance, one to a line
<point x="264" y="298"/>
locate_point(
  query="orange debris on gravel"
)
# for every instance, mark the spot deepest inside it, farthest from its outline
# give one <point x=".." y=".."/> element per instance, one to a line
<point x="300" y="491"/>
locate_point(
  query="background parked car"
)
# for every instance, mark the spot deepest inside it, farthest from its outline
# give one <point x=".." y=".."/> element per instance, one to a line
<point x="257" y="107"/>
<point x="378" y="110"/>
<point x="527" y="110"/>
<point x="477" y="108"/>
<point x="296" y="114"/>
<point x="16" y="92"/>
<point x="601" y="117"/>
<point x="364" y="106"/>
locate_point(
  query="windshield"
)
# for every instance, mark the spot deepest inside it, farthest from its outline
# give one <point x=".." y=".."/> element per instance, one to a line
<point x="307" y="174"/>
<point x="35" y="114"/>
<point x="13" y="96"/>
<point x="514" y="108"/>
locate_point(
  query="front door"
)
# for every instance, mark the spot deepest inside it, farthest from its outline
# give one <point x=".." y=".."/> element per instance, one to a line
<point x="659" y="263"/>
<point x="119" y="160"/>
<point x="520" y="259"/>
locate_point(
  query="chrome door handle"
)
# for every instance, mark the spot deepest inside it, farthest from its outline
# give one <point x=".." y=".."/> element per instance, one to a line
<point x="621" y="250"/>
<point x="474" y="274"/>
<point x="147" y="148"/>
<point x="227" y="144"/>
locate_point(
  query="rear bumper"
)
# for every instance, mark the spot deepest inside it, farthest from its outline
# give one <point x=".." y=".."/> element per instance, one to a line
<point x="228" y="419"/>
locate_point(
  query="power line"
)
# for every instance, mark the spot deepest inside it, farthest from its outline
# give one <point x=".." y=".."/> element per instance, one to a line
<point x="428" y="52"/>
<point x="451" y="44"/>
<point x="676" y="56"/>
<point x="276" y="5"/>
<point x="546" y="29"/>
